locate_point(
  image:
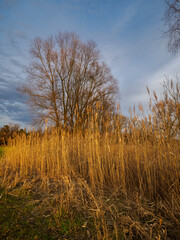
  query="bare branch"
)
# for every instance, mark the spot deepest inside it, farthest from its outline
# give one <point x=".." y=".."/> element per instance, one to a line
<point x="172" y="22"/>
<point x="65" y="75"/>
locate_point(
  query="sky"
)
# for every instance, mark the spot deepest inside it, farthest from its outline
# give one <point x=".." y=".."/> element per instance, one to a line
<point x="129" y="34"/>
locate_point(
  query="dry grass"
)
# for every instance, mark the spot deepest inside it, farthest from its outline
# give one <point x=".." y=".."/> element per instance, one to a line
<point x="127" y="184"/>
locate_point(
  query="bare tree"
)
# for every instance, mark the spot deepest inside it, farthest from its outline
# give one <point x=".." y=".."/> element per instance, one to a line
<point x="167" y="109"/>
<point x="172" y="21"/>
<point x="67" y="76"/>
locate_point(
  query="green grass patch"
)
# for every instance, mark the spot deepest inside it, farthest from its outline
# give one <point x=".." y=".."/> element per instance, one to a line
<point x="21" y="217"/>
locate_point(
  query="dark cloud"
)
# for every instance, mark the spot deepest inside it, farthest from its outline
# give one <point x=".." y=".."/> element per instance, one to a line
<point x="22" y="116"/>
<point x="8" y="89"/>
<point x="9" y="93"/>
<point x="14" y="112"/>
<point x="12" y="103"/>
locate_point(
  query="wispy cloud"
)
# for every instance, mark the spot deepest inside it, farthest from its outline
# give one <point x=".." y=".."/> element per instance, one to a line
<point x="126" y="17"/>
<point x="9" y="119"/>
<point x="13" y="114"/>
<point x="169" y="70"/>
<point x="154" y="82"/>
<point x="19" y="34"/>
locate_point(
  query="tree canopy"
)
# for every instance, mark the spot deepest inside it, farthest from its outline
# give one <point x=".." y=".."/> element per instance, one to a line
<point x="66" y="76"/>
<point x="172" y="21"/>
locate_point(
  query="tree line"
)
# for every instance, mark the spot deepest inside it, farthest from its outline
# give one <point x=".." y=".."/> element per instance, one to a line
<point x="10" y="131"/>
<point x="164" y="118"/>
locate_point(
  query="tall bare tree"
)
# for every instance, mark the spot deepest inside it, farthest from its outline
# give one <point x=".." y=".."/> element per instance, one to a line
<point x="172" y="21"/>
<point x="67" y="76"/>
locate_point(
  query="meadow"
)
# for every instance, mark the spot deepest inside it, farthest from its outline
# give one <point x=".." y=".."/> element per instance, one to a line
<point x="119" y="183"/>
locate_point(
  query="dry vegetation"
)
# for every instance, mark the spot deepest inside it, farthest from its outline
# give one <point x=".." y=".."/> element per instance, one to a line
<point x="123" y="183"/>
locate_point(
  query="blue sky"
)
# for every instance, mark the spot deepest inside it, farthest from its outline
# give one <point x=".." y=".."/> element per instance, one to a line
<point x="129" y="34"/>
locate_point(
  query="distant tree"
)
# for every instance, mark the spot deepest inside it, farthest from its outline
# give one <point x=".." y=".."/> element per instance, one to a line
<point x="167" y="109"/>
<point x="9" y="131"/>
<point x="172" y="21"/>
<point x="67" y="77"/>
<point x="4" y="134"/>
